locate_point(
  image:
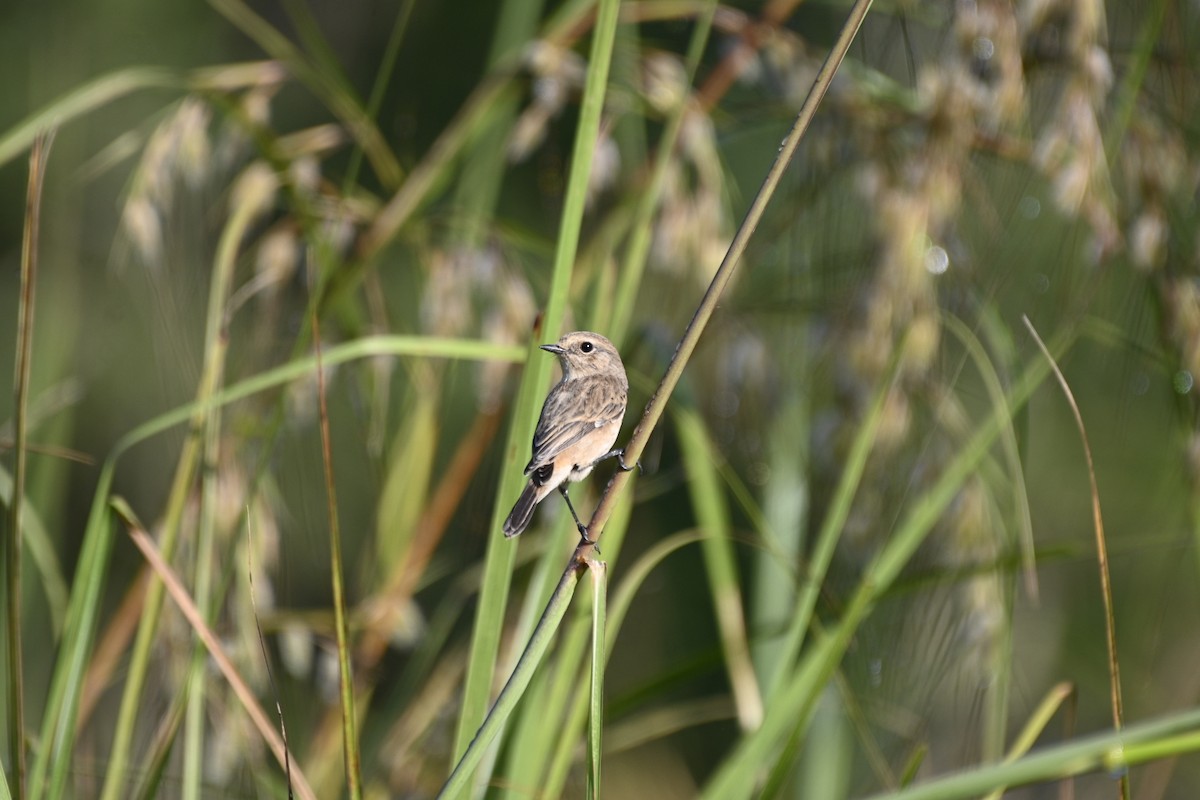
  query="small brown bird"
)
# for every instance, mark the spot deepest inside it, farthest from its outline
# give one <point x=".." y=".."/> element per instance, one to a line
<point x="579" y="423"/>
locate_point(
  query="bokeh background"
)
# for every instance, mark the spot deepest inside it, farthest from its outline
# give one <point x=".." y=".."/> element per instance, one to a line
<point x="974" y="163"/>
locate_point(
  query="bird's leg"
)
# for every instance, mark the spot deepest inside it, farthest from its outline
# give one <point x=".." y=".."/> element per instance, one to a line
<point x="619" y="453"/>
<point x="583" y="531"/>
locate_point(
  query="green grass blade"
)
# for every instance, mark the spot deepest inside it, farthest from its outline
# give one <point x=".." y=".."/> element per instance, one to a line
<point x="712" y="515"/>
<point x="58" y="724"/>
<point x="995" y="716"/>
<point x="41" y="550"/>
<point x="482" y="172"/>
<point x="1113" y="752"/>
<point x="825" y="769"/>
<point x="406" y="484"/>
<point x="80" y="102"/>
<point x="599" y="572"/>
<point x="831" y="529"/>
<point x="1035" y="726"/>
<point x="498" y="569"/>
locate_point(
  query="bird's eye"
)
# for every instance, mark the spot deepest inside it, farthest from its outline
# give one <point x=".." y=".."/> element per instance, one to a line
<point x="586" y="347"/>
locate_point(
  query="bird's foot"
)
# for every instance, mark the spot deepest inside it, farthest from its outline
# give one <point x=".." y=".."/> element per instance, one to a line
<point x="619" y="454"/>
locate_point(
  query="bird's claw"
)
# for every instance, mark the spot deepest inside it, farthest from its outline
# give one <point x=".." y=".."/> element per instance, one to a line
<point x="625" y="467"/>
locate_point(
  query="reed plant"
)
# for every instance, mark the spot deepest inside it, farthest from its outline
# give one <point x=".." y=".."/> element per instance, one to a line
<point x="907" y="298"/>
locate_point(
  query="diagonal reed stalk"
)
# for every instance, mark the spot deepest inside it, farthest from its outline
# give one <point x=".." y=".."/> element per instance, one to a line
<point x="556" y="607"/>
<point x="691" y="336"/>
<point x="194" y="617"/>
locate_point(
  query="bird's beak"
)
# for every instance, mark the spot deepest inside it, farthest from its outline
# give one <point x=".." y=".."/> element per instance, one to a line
<point x="553" y="348"/>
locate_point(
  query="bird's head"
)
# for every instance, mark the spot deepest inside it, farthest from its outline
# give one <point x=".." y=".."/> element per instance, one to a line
<point x="585" y="353"/>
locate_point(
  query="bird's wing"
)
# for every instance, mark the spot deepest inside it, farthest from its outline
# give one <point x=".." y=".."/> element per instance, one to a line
<point x="572" y="411"/>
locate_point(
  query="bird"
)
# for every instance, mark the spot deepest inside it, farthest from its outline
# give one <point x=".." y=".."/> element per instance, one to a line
<point x="578" y="426"/>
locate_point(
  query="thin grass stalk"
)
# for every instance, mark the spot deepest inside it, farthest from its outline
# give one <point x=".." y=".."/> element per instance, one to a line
<point x="345" y="677"/>
<point x="357" y="350"/>
<point x="691" y="337"/>
<point x="197" y="679"/>
<point x="642" y="225"/>
<point x="12" y="541"/>
<point x="531" y="658"/>
<point x="216" y="344"/>
<point x="179" y="595"/>
<point x="498" y="567"/>
<point x="1010" y="448"/>
<point x="1110" y="621"/>
<point x="599" y="572"/>
<point x="1035" y="726"/>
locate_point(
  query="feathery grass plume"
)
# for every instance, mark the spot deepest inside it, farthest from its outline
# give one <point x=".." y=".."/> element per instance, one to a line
<point x="178" y="151"/>
<point x="474" y="291"/>
<point x="557" y="76"/>
<point x="1154" y="172"/>
<point x="1070" y="149"/>
<point x="693" y="227"/>
<point x="989" y="41"/>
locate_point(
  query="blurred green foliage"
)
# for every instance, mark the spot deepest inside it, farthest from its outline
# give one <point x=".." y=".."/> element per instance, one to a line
<point x="974" y="163"/>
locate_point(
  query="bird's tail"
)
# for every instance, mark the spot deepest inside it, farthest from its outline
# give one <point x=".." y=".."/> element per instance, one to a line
<point x="522" y="512"/>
